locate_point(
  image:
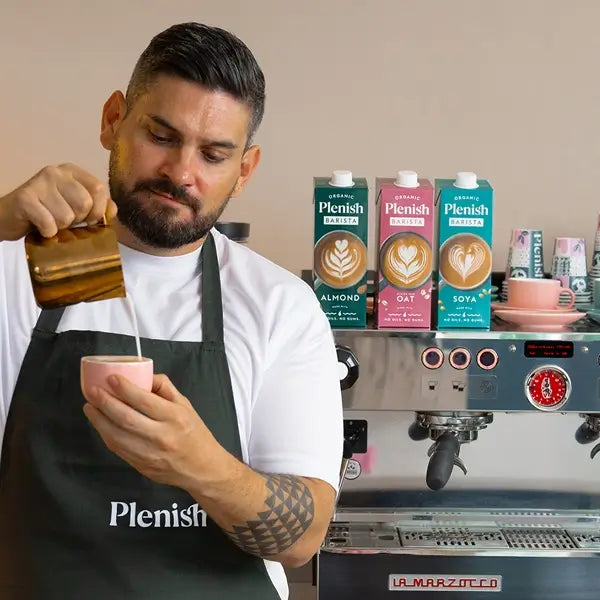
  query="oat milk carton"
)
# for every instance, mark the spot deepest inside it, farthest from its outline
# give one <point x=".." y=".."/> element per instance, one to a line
<point x="405" y="233"/>
<point x="340" y="251"/>
<point x="465" y="251"/>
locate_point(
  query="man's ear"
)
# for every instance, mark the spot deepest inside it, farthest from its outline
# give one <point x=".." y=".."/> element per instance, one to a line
<point x="250" y="161"/>
<point x="113" y="113"/>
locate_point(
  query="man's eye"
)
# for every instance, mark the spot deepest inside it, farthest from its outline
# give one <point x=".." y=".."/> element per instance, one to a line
<point x="159" y="139"/>
<point x="213" y="158"/>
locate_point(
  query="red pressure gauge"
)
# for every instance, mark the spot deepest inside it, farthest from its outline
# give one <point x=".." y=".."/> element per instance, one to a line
<point x="548" y="388"/>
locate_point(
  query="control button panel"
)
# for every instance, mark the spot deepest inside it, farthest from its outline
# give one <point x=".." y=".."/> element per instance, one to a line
<point x="548" y="387"/>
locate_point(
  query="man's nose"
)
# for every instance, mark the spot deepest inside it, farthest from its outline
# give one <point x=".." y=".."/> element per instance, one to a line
<point x="180" y="166"/>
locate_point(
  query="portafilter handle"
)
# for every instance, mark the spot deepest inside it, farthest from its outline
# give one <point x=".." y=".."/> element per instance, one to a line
<point x="444" y="457"/>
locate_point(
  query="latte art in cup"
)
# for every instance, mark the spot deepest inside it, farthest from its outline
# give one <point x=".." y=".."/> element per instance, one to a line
<point x="340" y="259"/>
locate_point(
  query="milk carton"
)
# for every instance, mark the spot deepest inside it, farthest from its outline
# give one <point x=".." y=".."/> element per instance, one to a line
<point x="465" y="251"/>
<point x="405" y="233"/>
<point x="340" y="248"/>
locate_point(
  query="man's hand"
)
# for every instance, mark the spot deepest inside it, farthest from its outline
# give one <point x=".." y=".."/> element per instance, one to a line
<point x="53" y="199"/>
<point x="275" y="516"/>
<point x="158" y="433"/>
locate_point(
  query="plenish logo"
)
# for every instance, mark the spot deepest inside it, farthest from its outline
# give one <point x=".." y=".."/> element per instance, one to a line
<point x="126" y="514"/>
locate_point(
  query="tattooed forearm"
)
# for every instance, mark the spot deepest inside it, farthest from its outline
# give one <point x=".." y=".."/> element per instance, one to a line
<point x="289" y="514"/>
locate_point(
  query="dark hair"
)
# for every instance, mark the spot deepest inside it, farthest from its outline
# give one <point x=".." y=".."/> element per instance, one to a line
<point x="209" y="56"/>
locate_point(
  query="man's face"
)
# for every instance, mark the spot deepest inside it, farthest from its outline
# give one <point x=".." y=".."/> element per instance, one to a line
<point x="176" y="158"/>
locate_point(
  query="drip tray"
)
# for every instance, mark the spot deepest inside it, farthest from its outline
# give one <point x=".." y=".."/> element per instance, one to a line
<point x="450" y="537"/>
<point x="539" y="539"/>
<point x="393" y="536"/>
<point x="586" y="540"/>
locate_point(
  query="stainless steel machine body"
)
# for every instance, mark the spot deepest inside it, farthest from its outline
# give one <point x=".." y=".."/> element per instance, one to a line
<point x="463" y="473"/>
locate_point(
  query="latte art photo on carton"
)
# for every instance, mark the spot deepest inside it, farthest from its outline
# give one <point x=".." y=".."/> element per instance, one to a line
<point x="466" y="261"/>
<point x="340" y="260"/>
<point x="406" y="261"/>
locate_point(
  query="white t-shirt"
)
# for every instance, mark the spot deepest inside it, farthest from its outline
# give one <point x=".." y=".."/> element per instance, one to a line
<point x="278" y="341"/>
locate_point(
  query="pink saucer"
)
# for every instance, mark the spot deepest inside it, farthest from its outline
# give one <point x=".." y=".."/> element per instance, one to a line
<point x="559" y="309"/>
<point x="539" y="320"/>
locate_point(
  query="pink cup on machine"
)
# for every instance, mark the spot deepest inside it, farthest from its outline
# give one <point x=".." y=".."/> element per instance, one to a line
<point x="544" y="294"/>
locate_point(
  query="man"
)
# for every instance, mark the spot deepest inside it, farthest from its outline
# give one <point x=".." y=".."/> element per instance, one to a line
<point x="227" y="470"/>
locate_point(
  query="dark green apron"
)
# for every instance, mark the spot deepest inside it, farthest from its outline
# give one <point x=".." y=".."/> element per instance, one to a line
<point x="77" y="522"/>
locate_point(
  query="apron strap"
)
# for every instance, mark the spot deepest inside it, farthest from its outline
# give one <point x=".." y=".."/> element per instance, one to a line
<point x="49" y="319"/>
<point x="212" y="306"/>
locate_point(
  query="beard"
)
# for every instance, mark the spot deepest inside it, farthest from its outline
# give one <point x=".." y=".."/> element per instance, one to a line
<point x="154" y="223"/>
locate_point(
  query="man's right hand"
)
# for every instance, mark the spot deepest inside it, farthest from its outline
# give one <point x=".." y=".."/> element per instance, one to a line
<point x="53" y="199"/>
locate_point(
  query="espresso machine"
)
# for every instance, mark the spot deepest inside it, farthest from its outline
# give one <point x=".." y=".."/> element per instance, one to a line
<point x="468" y="466"/>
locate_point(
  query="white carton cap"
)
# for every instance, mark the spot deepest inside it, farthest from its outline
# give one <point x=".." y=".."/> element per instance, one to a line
<point x="408" y="179"/>
<point x="466" y="180"/>
<point x="341" y="179"/>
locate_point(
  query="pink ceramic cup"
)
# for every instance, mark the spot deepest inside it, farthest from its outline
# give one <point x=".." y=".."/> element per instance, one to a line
<point x="538" y="293"/>
<point x="95" y="371"/>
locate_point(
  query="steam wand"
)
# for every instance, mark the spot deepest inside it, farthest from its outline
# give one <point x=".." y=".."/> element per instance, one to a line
<point x="355" y="442"/>
<point x="346" y="456"/>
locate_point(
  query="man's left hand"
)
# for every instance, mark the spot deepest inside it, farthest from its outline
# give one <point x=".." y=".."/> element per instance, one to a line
<point x="158" y="433"/>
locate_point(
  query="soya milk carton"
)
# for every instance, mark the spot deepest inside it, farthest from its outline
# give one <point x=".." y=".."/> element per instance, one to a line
<point x="340" y="248"/>
<point x="405" y="232"/>
<point x="465" y="207"/>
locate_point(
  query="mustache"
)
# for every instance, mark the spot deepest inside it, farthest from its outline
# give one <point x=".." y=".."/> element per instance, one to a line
<point x="165" y="186"/>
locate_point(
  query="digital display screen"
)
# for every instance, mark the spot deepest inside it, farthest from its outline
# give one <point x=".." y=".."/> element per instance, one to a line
<point x="548" y="349"/>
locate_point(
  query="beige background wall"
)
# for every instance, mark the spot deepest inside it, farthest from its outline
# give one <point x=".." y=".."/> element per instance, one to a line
<point x="509" y="89"/>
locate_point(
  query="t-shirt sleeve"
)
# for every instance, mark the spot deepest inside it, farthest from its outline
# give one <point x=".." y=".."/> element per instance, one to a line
<point x="297" y="420"/>
<point x="18" y="313"/>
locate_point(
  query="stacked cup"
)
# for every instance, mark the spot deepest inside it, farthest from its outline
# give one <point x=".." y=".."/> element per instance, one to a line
<point x="594" y="272"/>
<point x="569" y="265"/>
<point x="525" y="257"/>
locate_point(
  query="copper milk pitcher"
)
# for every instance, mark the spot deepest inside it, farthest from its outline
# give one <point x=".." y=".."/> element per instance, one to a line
<point x="81" y="264"/>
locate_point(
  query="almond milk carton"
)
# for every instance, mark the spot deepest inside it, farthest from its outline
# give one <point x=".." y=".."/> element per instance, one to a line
<point x="340" y="248"/>
<point x="405" y="232"/>
<point x="465" y="251"/>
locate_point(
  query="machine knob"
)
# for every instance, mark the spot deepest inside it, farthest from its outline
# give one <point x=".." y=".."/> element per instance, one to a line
<point x="348" y="367"/>
<point x="548" y="387"/>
